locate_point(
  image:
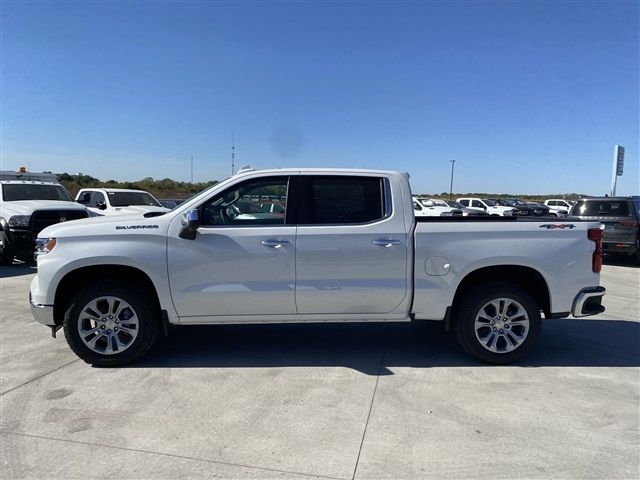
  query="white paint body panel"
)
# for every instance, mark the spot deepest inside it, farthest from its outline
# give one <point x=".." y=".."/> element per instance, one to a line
<point x="325" y="273"/>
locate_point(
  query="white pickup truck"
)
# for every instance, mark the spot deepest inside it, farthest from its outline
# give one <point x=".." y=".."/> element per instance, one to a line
<point x="348" y="249"/>
<point x="118" y="201"/>
<point x="559" y="206"/>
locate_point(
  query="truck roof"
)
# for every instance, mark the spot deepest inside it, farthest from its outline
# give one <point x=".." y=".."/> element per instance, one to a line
<point x="326" y="170"/>
<point x="30" y="176"/>
<point x="112" y="190"/>
<point x="28" y="182"/>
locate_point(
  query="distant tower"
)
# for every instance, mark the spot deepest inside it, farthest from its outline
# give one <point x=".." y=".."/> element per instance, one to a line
<point x="233" y="154"/>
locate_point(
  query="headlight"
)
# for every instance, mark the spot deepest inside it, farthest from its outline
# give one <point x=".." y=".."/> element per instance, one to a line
<point x="44" y="245"/>
<point x="508" y="213"/>
<point x="19" y="221"/>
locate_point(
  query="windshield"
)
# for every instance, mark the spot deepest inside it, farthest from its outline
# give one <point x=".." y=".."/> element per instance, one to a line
<point x="12" y="192"/>
<point x="506" y="202"/>
<point x="489" y="203"/>
<point x="124" y="199"/>
<point x="453" y="204"/>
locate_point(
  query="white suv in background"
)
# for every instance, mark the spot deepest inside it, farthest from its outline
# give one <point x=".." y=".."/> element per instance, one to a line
<point x="118" y="201"/>
<point x="487" y="206"/>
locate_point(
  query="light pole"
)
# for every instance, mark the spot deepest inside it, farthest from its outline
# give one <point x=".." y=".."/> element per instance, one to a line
<point x="453" y="164"/>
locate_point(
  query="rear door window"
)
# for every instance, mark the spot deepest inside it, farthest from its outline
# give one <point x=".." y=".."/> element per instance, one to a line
<point x="339" y="200"/>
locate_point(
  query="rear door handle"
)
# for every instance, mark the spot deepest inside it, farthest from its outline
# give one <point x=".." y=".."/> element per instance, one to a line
<point x="384" y="242"/>
<point x="275" y="243"/>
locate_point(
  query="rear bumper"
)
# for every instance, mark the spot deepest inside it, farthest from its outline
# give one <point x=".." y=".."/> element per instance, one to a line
<point x="588" y="302"/>
<point x="42" y="313"/>
<point x="620" y="247"/>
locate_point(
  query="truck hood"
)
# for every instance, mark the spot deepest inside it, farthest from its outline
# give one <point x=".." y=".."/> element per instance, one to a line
<point x="500" y="208"/>
<point x="27" y="207"/>
<point x="105" y="225"/>
<point x="133" y="209"/>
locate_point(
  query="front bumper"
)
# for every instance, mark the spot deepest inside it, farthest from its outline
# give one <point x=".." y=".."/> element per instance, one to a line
<point x="21" y="240"/>
<point x="588" y="302"/>
<point x="42" y="313"/>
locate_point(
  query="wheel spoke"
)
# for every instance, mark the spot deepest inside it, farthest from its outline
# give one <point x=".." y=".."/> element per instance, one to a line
<point x="119" y="343"/>
<point x="489" y="340"/>
<point x="92" y="342"/>
<point x="115" y="308"/>
<point x="86" y="333"/>
<point x="92" y="310"/>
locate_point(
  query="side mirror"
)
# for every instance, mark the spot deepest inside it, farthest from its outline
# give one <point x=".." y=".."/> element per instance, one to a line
<point x="101" y="206"/>
<point x="190" y="224"/>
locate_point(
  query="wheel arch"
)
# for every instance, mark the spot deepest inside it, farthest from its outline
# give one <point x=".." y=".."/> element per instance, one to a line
<point x="527" y="278"/>
<point x="68" y="285"/>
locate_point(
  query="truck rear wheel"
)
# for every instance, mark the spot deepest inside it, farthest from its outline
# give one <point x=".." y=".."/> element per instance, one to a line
<point x="110" y="324"/>
<point x="497" y="323"/>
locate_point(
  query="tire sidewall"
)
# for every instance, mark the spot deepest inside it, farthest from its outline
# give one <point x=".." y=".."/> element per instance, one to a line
<point x="465" y="322"/>
<point x="147" y="323"/>
<point x="6" y="254"/>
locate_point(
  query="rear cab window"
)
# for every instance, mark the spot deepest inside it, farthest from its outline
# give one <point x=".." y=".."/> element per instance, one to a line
<point x="602" y="208"/>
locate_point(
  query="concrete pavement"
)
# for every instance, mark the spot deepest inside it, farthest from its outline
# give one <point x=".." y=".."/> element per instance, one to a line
<point x="325" y="401"/>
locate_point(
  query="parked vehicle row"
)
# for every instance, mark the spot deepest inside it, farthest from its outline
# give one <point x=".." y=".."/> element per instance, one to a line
<point x="30" y="202"/>
<point x="27" y="206"/>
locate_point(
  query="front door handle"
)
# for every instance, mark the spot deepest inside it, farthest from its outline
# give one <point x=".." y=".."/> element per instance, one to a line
<point x="385" y="242"/>
<point x="275" y="243"/>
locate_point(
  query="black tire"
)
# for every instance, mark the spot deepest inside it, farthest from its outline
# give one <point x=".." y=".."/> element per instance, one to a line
<point x="6" y="255"/>
<point x="468" y="308"/>
<point x="147" y="330"/>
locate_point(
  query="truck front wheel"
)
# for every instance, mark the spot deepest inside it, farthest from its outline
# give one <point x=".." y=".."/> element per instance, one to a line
<point x="110" y="324"/>
<point x="6" y="255"/>
<point x="498" y="322"/>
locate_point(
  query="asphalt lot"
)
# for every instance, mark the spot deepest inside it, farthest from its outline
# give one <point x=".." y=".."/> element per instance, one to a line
<point x="325" y="401"/>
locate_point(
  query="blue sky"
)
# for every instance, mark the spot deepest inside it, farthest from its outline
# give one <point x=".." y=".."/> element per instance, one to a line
<point x="526" y="97"/>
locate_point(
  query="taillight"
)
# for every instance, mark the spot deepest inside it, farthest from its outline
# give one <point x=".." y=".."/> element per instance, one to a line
<point x="595" y="235"/>
<point x="630" y="224"/>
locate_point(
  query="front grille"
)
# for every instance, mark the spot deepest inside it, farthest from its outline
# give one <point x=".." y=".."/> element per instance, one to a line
<point x="44" y="218"/>
<point x="456" y="213"/>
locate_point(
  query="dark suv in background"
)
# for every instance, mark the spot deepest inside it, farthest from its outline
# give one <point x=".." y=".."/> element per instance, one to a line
<point x="621" y="219"/>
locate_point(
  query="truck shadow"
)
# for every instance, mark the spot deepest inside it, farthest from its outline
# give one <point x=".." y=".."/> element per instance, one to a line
<point x="620" y="261"/>
<point x="377" y="348"/>
<point x="18" y="269"/>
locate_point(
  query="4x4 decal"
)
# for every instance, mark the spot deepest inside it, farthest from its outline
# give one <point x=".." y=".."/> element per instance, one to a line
<point x="561" y="226"/>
